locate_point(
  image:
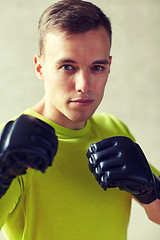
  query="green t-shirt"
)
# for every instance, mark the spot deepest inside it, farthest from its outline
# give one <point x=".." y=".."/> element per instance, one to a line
<point x="66" y="203"/>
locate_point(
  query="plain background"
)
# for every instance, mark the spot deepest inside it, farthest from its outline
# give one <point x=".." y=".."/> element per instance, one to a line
<point x="133" y="90"/>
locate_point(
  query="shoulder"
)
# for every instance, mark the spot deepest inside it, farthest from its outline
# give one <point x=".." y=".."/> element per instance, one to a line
<point x="105" y="118"/>
<point x="109" y="125"/>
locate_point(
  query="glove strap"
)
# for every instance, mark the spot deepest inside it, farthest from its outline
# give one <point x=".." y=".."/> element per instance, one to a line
<point x="146" y="198"/>
<point x="157" y="185"/>
<point x="151" y="196"/>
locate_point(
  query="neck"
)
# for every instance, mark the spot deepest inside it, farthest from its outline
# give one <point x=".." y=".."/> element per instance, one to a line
<point x="46" y="111"/>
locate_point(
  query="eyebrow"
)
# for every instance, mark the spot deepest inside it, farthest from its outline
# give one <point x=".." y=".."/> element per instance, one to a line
<point x="66" y="60"/>
<point x="104" y="61"/>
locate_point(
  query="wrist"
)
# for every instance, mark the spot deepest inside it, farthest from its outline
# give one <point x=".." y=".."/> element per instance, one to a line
<point x="146" y="198"/>
<point x="157" y="185"/>
<point x="150" y="196"/>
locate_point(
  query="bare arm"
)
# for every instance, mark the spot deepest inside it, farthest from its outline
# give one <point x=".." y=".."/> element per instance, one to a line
<point x="153" y="211"/>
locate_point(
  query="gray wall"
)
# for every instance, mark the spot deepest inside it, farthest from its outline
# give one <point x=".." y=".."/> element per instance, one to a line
<point x="132" y="92"/>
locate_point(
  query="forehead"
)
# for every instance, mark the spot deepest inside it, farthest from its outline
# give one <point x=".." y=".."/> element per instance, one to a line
<point x="80" y="45"/>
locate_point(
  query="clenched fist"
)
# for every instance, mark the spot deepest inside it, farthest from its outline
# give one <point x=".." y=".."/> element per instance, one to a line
<point x="25" y="142"/>
<point x="119" y="162"/>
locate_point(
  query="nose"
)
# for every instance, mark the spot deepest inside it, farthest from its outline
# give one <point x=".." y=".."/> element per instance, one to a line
<point x="83" y="82"/>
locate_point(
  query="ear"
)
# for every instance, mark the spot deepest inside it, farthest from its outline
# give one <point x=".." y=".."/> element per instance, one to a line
<point x="110" y="61"/>
<point x="38" y="67"/>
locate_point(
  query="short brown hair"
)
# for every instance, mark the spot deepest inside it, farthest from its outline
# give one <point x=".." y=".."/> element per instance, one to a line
<point x="72" y="16"/>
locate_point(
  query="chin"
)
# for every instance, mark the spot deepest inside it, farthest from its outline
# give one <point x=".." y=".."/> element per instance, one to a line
<point x="81" y="117"/>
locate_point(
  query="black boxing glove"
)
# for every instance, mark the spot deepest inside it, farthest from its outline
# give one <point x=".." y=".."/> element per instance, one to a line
<point x="119" y="162"/>
<point x="25" y="142"/>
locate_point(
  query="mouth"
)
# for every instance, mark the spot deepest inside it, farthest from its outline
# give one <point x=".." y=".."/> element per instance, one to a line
<point x="82" y="101"/>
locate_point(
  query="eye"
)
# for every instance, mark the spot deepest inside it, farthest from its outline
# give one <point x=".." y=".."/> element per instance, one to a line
<point x="97" y="68"/>
<point x="67" y="67"/>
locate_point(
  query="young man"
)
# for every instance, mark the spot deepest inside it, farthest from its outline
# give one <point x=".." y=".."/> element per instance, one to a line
<point x="65" y="202"/>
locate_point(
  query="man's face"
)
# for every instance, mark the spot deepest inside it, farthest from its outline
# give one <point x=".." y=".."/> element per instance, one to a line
<point x="75" y="69"/>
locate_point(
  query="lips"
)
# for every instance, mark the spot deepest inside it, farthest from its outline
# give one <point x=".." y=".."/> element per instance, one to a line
<point x="82" y="101"/>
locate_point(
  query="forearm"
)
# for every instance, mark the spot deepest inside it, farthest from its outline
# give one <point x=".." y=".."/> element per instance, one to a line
<point x="153" y="211"/>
